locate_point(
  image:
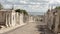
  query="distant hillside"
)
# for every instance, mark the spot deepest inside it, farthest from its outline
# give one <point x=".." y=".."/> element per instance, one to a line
<point x="36" y="13"/>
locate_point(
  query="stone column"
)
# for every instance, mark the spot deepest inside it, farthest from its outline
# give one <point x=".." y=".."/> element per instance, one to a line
<point x="56" y="24"/>
<point x="9" y="21"/>
<point x="13" y="19"/>
<point x="6" y="21"/>
<point x="17" y="18"/>
<point x="21" y="18"/>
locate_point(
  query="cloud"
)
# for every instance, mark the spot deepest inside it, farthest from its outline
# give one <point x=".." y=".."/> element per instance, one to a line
<point x="10" y="0"/>
<point x="39" y="6"/>
<point x="34" y="6"/>
<point x="35" y="3"/>
<point x="23" y="2"/>
<point x="54" y="1"/>
<point x="7" y="6"/>
<point x="32" y="3"/>
<point x="58" y="1"/>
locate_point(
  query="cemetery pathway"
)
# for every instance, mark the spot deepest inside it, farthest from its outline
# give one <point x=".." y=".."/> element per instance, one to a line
<point x="31" y="28"/>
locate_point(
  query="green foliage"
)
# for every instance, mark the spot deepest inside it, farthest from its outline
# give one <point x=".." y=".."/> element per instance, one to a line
<point x="21" y="11"/>
<point x="57" y="7"/>
<point x="18" y="10"/>
<point x="1" y="7"/>
<point x="24" y="12"/>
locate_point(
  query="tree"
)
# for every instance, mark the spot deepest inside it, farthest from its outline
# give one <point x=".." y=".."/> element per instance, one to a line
<point x="18" y="10"/>
<point x="57" y="7"/>
<point x="21" y="11"/>
<point x="1" y="7"/>
<point x="24" y="12"/>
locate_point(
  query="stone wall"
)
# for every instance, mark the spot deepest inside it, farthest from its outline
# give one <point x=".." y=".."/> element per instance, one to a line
<point x="2" y="18"/>
<point x="52" y="18"/>
<point x="10" y="18"/>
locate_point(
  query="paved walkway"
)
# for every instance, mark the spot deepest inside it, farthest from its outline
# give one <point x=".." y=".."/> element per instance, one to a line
<point x="30" y="28"/>
<point x="44" y="29"/>
<point x="3" y="30"/>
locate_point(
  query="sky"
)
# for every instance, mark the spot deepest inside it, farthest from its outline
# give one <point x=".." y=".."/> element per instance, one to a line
<point x="30" y="5"/>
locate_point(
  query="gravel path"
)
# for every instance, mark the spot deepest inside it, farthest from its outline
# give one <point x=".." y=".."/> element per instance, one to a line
<point x="30" y="28"/>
